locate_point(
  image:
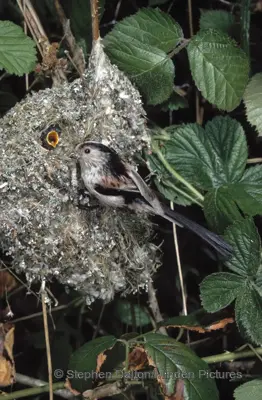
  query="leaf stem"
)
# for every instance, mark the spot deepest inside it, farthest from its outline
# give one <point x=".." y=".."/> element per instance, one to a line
<point x="229" y="356"/>
<point x="185" y="194"/>
<point x="32" y="391"/>
<point x="177" y="49"/>
<point x="176" y="174"/>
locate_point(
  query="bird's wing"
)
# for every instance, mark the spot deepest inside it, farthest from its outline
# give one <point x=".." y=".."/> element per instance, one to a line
<point x="145" y="191"/>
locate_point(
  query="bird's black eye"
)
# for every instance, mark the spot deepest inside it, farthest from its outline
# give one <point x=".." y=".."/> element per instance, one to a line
<point x="87" y="150"/>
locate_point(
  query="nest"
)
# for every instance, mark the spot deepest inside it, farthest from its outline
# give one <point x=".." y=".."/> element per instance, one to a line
<point x="96" y="251"/>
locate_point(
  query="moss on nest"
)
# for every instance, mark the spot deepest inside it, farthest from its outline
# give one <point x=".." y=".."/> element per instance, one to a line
<point x="97" y="251"/>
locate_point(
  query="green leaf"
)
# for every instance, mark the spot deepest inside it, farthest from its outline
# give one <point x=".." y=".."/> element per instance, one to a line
<point x="220" y="209"/>
<point x="253" y="102"/>
<point x="17" y="51"/>
<point x="175" y="102"/>
<point x="174" y="360"/>
<point x="83" y="362"/>
<point x="219" y="67"/>
<point x="150" y="68"/>
<point x="211" y="157"/>
<point x="150" y="27"/>
<point x="249" y="390"/>
<point x="245" y="239"/>
<point x="220" y="289"/>
<point x="131" y="314"/>
<point x="248" y="311"/>
<point x="138" y="46"/>
<point x="216" y="19"/>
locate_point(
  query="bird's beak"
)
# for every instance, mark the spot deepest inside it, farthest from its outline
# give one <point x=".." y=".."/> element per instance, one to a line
<point x="75" y="153"/>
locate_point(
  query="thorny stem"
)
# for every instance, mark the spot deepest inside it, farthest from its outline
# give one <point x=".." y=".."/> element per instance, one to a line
<point x="176" y="174"/>
<point x="95" y="19"/>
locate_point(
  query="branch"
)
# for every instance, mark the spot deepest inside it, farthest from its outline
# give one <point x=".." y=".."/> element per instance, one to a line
<point x="30" y="381"/>
<point x="95" y="19"/>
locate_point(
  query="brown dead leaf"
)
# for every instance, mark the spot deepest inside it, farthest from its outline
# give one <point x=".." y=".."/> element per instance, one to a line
<point x="69" y="387"/>
<point x="220" y="324"/>
<point x="7" y="366"/>
<point x="137" y="359"/>
<point x="7" y="282"/>
<point x="201" y="329"/>
<point x="100" y="361"/>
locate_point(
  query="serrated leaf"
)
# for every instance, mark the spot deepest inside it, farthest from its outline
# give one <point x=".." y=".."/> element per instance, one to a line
<point x="172" y="359"/>
<point x="220" y="209"/>
<point x="219" y="68"/>
<point x="220" y="289"/>
<point x="84" y="361"/>
<point x="216" y="19"/>
<point x="253" y="102"/>
<point x="248" y="312"/>
<point x="149" y="26"/>
<point x="131" y="314"/>
<point x="150" y="68"/>
<point x="208" y="158"/>
<point x="17" y="51"/>
<point x="245" y="239"/>
<point x="249" y="390"/>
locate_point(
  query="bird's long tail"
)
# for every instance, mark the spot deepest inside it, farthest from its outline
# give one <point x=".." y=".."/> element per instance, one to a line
<point x="216" y="241"/>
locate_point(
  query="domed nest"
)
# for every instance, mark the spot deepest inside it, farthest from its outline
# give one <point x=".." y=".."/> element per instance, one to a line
<point x="98" y="251"/>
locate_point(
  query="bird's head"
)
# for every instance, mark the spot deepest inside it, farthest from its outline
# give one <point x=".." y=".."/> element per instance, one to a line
<point x="93" y="153"/>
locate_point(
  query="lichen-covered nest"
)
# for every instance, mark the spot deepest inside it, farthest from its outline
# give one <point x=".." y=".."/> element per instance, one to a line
<point x="95" y="250"/>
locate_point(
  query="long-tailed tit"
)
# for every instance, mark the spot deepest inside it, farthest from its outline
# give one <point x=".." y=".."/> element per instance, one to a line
<point x="116" y="184"/>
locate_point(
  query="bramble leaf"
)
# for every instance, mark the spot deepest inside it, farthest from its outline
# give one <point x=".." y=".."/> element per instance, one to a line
<point x="216" y="19"/>
<point x="253" y="102"/>
<point x="17" y="51"/>
<point x="220" y="289"/>
<point x="172" y="359"/>
<point x="219" y="67"/>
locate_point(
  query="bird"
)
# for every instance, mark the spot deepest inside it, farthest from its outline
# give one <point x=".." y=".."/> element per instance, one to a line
<point x="116" y="184"/>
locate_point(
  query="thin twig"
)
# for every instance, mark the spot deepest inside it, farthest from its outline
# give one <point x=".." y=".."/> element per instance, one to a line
<point x="254" y="160"/>
<point x="99" y="321"/>
<point x="40" y="313"/>
<point x="25" y="30"/>
<point x="47" y="342"/>
<point x="33" y="382"/>
<point x="180" y="272"/>
<point x="78" y="59"/>
<point x="95" y="19"/>
<point x="31" y="391"/>
<point x="153" y="304"/>
<point x="38" y="33"/>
